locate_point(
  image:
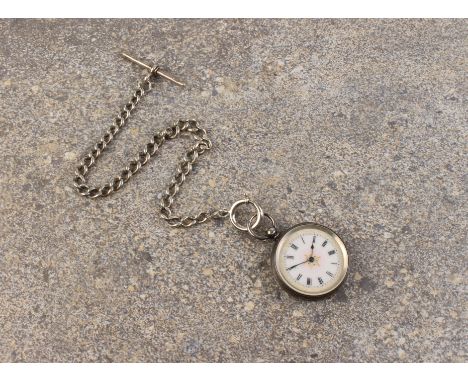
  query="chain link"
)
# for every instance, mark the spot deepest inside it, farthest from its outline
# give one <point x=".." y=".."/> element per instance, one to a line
<point x="202" y="144"/>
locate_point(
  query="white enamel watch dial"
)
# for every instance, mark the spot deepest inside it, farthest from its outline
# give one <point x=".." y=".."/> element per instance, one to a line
<point x="310" y="260"/>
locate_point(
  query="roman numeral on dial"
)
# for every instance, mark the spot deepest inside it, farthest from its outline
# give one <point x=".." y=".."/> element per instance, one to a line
<point x="299" y="276"/>
<point x="309" y="281"/>
<point x="324" y="243"/>
<point x="329" y="274"/>
<point x="294" y="246"/>
<point x="320" y="281"/>
<point x="332" y="252"/>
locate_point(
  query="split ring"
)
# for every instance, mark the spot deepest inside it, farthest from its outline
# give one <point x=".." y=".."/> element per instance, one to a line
<point x="258" y="216"/>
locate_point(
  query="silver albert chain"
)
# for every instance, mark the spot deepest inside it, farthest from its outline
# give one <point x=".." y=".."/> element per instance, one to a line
<point x="308" y="259"/>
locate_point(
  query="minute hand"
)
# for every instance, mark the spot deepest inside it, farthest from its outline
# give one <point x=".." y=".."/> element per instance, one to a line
<point x="294" y="266"/>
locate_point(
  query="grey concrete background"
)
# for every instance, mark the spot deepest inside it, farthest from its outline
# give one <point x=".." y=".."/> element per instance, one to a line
<point x="358" y="125"/>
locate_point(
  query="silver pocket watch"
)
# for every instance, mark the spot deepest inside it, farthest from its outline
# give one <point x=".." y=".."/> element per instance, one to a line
<point x="308" y="260"/>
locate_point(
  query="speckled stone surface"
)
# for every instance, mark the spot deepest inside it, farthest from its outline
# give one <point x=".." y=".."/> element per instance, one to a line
<point x="358" y="125"/>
